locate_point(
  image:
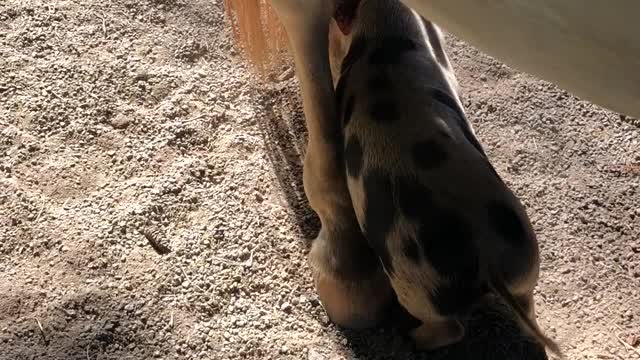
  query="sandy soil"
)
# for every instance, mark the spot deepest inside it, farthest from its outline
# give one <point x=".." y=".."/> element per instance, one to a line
<point x="130" y="122"/>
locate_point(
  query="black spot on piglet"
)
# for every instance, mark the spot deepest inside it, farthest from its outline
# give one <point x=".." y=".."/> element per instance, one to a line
<point x="506" y="222"/>
<point x="380" y="213"/>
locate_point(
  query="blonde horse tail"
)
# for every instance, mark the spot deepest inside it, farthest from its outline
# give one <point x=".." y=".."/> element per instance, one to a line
<point x="258" y="33"/>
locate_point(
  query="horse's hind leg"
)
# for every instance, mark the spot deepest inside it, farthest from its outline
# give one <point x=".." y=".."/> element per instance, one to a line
<point x="348" y="277"/>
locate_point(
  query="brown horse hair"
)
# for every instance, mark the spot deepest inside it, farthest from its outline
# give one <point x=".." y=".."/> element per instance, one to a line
<point x="258" y="33"/>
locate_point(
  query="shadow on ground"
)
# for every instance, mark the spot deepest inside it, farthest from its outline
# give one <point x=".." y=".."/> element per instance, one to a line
<point x="492" y="334"/>
<point x="84" y="325"/>
<point x="285" y="137"/>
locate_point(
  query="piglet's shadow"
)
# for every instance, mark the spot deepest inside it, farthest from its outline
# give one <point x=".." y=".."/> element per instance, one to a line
<point x="492" y="334"/>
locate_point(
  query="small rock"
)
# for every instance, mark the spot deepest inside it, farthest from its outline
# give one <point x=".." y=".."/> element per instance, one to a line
<point x="120" y="121"/>
<point x="286" y="75"/>
<point x="286" y="307"/>
<point x="315" y="355"/>
<point x="314" y="301"/>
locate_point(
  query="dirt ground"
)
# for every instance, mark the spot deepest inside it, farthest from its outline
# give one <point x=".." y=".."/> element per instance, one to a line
<point x="130" y="122"/>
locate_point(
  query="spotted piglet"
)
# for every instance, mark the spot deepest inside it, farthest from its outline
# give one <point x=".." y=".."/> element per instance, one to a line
<point x="446" y="228"/>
